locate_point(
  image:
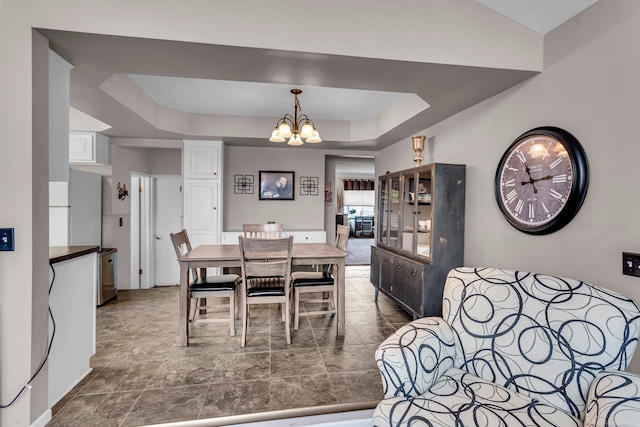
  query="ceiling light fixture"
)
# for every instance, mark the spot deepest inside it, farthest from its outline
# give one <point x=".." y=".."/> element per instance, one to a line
<point x="295" y="128"/>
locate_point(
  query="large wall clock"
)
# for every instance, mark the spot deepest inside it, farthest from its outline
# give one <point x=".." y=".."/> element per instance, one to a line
<point x="542" y="180"/>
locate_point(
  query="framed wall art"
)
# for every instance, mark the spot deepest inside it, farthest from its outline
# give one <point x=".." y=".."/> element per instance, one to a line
<point x="276" y="185"/>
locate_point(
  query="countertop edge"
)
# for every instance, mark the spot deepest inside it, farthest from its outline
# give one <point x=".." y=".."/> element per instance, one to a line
<point x="65" y="253"/>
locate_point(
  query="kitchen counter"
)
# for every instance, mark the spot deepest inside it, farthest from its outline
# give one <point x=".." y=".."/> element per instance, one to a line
<point x="64" y="253"/>
<point x="72" y="300"/>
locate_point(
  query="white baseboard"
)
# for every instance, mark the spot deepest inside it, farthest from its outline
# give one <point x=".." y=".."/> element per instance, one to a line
<point x="42" y="419"/>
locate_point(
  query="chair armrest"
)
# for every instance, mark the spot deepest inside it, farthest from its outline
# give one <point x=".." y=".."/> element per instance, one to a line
<point x="415" y="356"/>
<point x="614" y="400"/>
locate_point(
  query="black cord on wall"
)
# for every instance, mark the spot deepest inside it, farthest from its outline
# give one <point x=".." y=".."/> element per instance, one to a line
<point x="46" y="356"/>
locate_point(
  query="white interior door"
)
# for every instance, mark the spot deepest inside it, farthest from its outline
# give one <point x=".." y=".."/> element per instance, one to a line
<point x="134" y="275"/>
<point x="168" y="219"/>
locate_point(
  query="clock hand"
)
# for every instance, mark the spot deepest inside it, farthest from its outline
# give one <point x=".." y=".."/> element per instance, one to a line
<point x="528" y="170"/>
<point x="543" y="178"/>
<point x="531" y="180"/>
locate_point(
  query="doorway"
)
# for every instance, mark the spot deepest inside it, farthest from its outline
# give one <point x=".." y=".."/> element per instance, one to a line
<point x="156" y="211"/>
<point x="339" y="204"/>
<point x="140" y="231"/>
<point x="167" y="214"/>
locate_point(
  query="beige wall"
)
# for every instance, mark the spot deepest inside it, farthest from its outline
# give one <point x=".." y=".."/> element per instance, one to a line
<point x="302" y="213"/>
<point x="590" y="88"/>
<point x="165" y="161"/>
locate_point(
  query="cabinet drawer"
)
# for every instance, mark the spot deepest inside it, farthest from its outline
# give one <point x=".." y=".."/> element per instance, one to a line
<point x="411" y="275"/>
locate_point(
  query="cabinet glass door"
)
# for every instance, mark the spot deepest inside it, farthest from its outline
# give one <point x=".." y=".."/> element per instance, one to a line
<point x="424" y="215"/>
<point x="394" y="211"/>
<point x="383" y="211"/>
<point x="409" y="222"/>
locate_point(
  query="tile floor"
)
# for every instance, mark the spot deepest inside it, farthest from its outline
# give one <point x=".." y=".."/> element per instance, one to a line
<point x="140" y="376"/>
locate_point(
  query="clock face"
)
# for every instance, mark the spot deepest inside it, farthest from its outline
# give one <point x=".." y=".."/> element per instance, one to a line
<point x="542" y="180"/>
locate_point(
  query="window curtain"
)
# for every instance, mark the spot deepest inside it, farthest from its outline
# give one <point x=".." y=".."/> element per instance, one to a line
<point x="357" y="184"/>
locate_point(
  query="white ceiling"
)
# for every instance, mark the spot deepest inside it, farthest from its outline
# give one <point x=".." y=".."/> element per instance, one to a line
<point x="541" y="16"/>
<point x="346" y="94"/>
<point x="205" y="96"/>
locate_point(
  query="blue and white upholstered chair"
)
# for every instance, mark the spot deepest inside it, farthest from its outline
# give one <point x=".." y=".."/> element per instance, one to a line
<point x="514" y="349"/>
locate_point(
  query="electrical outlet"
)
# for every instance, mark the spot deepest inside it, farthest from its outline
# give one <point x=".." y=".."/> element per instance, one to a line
<point x="6" y="239"/>
<point x="631" y="264"/>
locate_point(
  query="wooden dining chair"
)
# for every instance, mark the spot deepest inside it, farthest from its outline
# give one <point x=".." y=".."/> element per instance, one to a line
<point x="321" y="282"/>
<point x="266" y="277"/>
<point x="203" y="287"/>
<point x="262" y="231"/>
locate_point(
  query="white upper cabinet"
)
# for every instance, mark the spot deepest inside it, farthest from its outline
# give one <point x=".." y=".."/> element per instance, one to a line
<point x="201" y="160"/>
<point x="88" y="148"/>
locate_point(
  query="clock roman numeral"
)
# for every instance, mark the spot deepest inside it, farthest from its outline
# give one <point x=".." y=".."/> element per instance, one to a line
<point x="511" y="169"/>
<point x="531" y="211"/>
<point x="519" y="206"/>
<point x="544" y="208"/>
<point x="555" y="194"/>
<point x="520" y="155"/>
<point x="559" y="178"/>
<point x="510" y="183"/>
<point x="556" y="162"/>
<point x="511" y="196"/>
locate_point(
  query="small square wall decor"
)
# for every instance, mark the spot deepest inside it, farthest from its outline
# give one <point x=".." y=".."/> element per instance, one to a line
<point x="309" y="186"/>
<point x="243" y="184"/>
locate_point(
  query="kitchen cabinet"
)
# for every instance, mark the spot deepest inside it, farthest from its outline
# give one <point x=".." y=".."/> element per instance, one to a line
<point x="202" y="183"/>
<point x="420" y="235"/>
<point x="88" y="148"/>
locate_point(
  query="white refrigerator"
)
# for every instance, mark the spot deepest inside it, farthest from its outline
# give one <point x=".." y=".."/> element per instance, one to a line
<point x="75" y="210"/>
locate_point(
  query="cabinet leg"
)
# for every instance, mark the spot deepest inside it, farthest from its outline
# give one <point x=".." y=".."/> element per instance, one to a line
<point x="376" y="296"/>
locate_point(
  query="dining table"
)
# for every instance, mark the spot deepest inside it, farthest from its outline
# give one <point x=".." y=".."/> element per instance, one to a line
<point x="208" y="256"/>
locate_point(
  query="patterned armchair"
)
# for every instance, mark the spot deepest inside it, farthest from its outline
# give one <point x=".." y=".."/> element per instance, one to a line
<point x="514" y="349"/>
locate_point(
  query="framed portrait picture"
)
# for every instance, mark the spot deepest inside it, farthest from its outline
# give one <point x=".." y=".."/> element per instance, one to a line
<point x="275" y="185"/>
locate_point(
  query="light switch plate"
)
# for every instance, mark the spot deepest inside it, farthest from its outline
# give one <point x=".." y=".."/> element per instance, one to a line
<point x="631" y="264"/>
<point x="6" y="239"/>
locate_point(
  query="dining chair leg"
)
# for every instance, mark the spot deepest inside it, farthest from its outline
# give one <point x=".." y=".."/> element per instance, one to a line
<point x="193" y="304"/>
<point x="296" y="308"/>
<point x="245" y="324"/>
<point x="333" y="303"/>
<point x="232" y="313"/>
<point x="287" y="324"/>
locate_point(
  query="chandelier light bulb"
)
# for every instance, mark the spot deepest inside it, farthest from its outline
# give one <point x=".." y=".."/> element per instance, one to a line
<point x="307" y="130"/>
<point x="314" y="138"/>
<point x="284" y="130"/>
<point x="275" y="136"/>
<point x="295" y="140"/>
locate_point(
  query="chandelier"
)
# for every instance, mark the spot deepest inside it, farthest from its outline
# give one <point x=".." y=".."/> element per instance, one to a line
<point x="295" y="128"/>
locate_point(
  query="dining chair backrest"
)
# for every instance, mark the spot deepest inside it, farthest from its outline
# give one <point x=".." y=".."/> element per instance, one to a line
<point x="266" y="257"/>
<point x="182" y="245"/>
<point x="262" y="231"/>
<point x="342" y="237"/>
